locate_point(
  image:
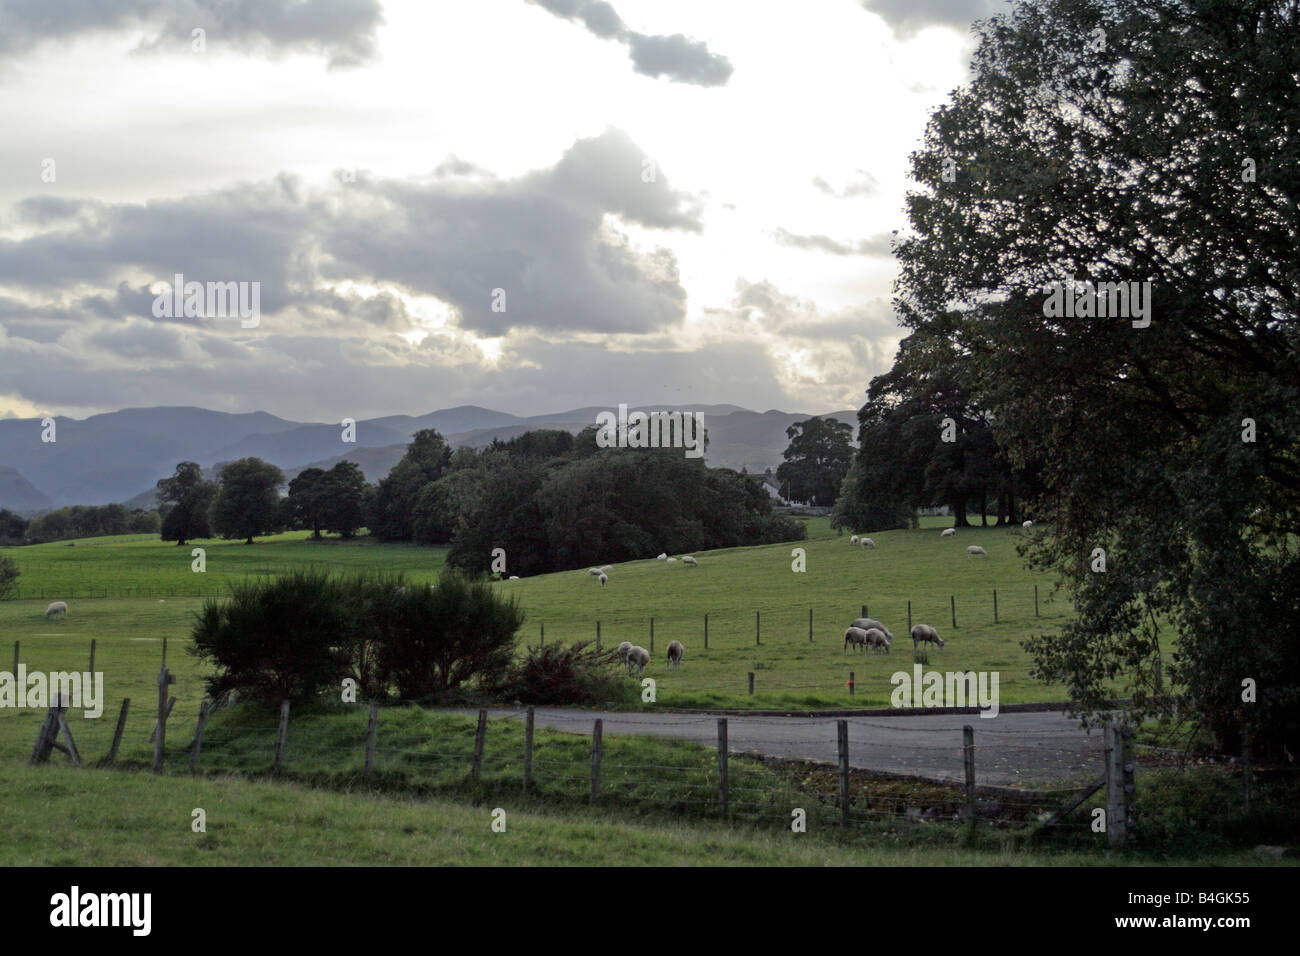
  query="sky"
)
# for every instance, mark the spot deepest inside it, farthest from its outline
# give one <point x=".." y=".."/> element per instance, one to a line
<point x="530" y="205"/>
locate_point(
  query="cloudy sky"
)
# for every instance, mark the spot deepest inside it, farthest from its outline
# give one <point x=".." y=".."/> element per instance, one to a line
<point x="530" y="205"/>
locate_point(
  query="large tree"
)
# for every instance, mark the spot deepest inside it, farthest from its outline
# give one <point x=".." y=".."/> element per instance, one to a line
<point x="1147" y="141"/>
<point x="185" y="500"/>
<point x="816" y="460"/>
<point x="426" y="460"/>
<point x="248" y="502"/>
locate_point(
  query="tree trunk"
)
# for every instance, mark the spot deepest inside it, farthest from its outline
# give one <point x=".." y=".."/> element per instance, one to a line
<point x="959" y="513"/>
<point x="984" y="509"/>
<point x="250" y="540"/>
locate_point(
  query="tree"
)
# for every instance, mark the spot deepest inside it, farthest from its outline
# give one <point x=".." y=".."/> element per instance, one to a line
<point x="1166" y="416"/>
<point x="426" y="460"/>
<point x="343" y="508"/>
<point x="248" y="502"/>
<point x="305" y="503"/>
<point x="8" y="576"/>
<point x="12" y="527"/>
<point x="187" y="499"/>
<point x="816" y="460"/>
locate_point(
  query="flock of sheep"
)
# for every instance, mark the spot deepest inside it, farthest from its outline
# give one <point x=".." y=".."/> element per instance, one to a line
<point x="868" y="633"/>
<point x="637" y="657"/>
<point x="601" y="573"/>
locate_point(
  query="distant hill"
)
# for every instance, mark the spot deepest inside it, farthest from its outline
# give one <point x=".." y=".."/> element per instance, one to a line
<point x="119" y="456"/>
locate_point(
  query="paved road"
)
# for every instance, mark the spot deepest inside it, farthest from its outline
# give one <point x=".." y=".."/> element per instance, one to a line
<point x="1012" y="749"/>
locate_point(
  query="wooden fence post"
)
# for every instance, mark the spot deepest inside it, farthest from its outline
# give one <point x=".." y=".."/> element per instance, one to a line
<point x="706" y="631"/>
<point x="479" y="737"/>
<point x="171" y="705"/>
<point x="842" y="731"/>
<point x="528" y="746"/>
<point x="810" y="637"/>
<point x="1120" y="788"/>
<point x="543" y="635"/>
<point x="198" y="737"/>
<point x="596" y="750"/>
<point x="117" y="734"/>
<point x="372" y="736"/>
<point x="751" y="683"/>
<point x="864" y="611"/>
<point x="61" y="717"/>
<point x="165" y="680"/>
<point x="723" y="808"/>
<point x="850" y="683"/>
<point x="598" y="637"/>
<point x="909" y="617"/>
<point x="995" y="605"/>
<point x="757" y="641"/>
<point x="283" y="737"/>
<point x="15" y="670"/>
<point x="968" y="760"/>
<point x="953" y="600"/>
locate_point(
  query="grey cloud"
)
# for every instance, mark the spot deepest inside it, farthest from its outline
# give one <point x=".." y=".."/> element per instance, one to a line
<point x="878" y="245"/>
<point x="908" y="17"/>
<point x="678" y="57"/>
<point x="865" y="185"/>
<point x="341" y="30"/>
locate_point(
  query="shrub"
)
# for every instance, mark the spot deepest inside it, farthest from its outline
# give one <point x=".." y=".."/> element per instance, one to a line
<point x="438" y="637"/>
<point x="8" y="576"/>
<point x="276" y="639"/>
<point x="576" y="675"/>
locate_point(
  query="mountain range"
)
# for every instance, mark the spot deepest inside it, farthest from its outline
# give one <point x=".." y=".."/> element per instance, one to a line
<point x="119" y="456"/>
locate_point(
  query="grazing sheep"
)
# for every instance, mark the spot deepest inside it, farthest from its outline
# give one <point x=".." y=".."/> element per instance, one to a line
<point x="672" y="560"/>
<point x="975" y="549"/>
<point x="924" y="632"/>
<point x="514" y="577"/>
<point x="607" y="567"/>
<point x="867" y="623"/>
<point x="58" y="607"/>
<point x="594" y="572"/>
<point x="1027" y="525"/>
<point x="948" y="532"/>
<point x="853" y="540"/>
<point x="866" y="542"/>
<point x="603" y="579"/>
<point x="662" y="557"/>
<point x="876" y="638"/>
<point x="675" y="651"/>
<point x="691" y="561"/>
<point x="855" y="636"/>
<point x="623" y="651"/>
<point x="638" y="657"/>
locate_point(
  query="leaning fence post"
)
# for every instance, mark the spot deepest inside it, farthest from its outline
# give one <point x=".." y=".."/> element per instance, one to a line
<point x="596" y="749"/>
<point x="171" y="705"/>
<point x="528" y="747"/>
<point x="117" y="734"/>
<point x="479" y="736"/>
<point x="282" y="738"/>
<point x="953" y="600"/>
<point x="851" y="682"/>
<point x="751" y="682"/>
<point x="722" y="768"/>
<point x="842" y="732"/>
<point x="968" y="760"/>
<point x="198" y="737"/>
<point x="372" y="734"/>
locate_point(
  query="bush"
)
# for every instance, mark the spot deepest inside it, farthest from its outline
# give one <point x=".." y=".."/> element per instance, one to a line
<point x="8" y="576"/>
<point x="285" y="638"/>
<point x="577" y="675"/>
<point x="438" y="637"/>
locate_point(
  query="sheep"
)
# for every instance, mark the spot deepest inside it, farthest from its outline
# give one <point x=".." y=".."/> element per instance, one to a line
<point x="672" y="560"/>
<point x="514" y="577"/>
<point x="924" y="632"/>
<point x="866" y="624"/>
<point x="594" y="572"/>
<point x="866" y="543"/>
<point x="876" y="638"/>
<point x="855" y="636"/>
<point x="675" y="651"/>
<point x="662" y="557"/>
<point x="853" y="540"/>
<point x="607" y="567"/>
<point x="975" y="549"/>
<point x="691" y="561"/>
<point x="623" y="650"/>
<point x="948" y="532"/>
<point x="1027" y="525"/>
<point x="57" y="607"/>
<point x="637" y="657"/>
<point x="603" y="579"/>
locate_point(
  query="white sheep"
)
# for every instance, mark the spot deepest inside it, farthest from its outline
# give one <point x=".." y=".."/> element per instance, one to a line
<point x="924" y="632"/>
<point x="853" y="540"/>
<point x="638" y="657"/>
<point x="603" y="579"/>
<point x="514" y="577"/>
<point x="594" y="572"/>
<point x="867" y="623"/>
<point x="623" y="650"/>
<point x="57" y="607"/>
<point x="876" y="638"/>
<point x="675" y="651"/>
<point x="867" y="543"/>
<point x="1027" y="525"/>
<point x="948" y="532"/>
<point x="662" y="557"/>
<point x="607" y="567"/>
<point x="855" y="636"/>
<point x="975" y="549"/>
<point x="691" y="561"/>
<point x="672" y="560"/>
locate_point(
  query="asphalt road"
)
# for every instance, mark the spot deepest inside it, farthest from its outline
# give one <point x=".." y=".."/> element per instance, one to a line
<point x="1012" y="749"/>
